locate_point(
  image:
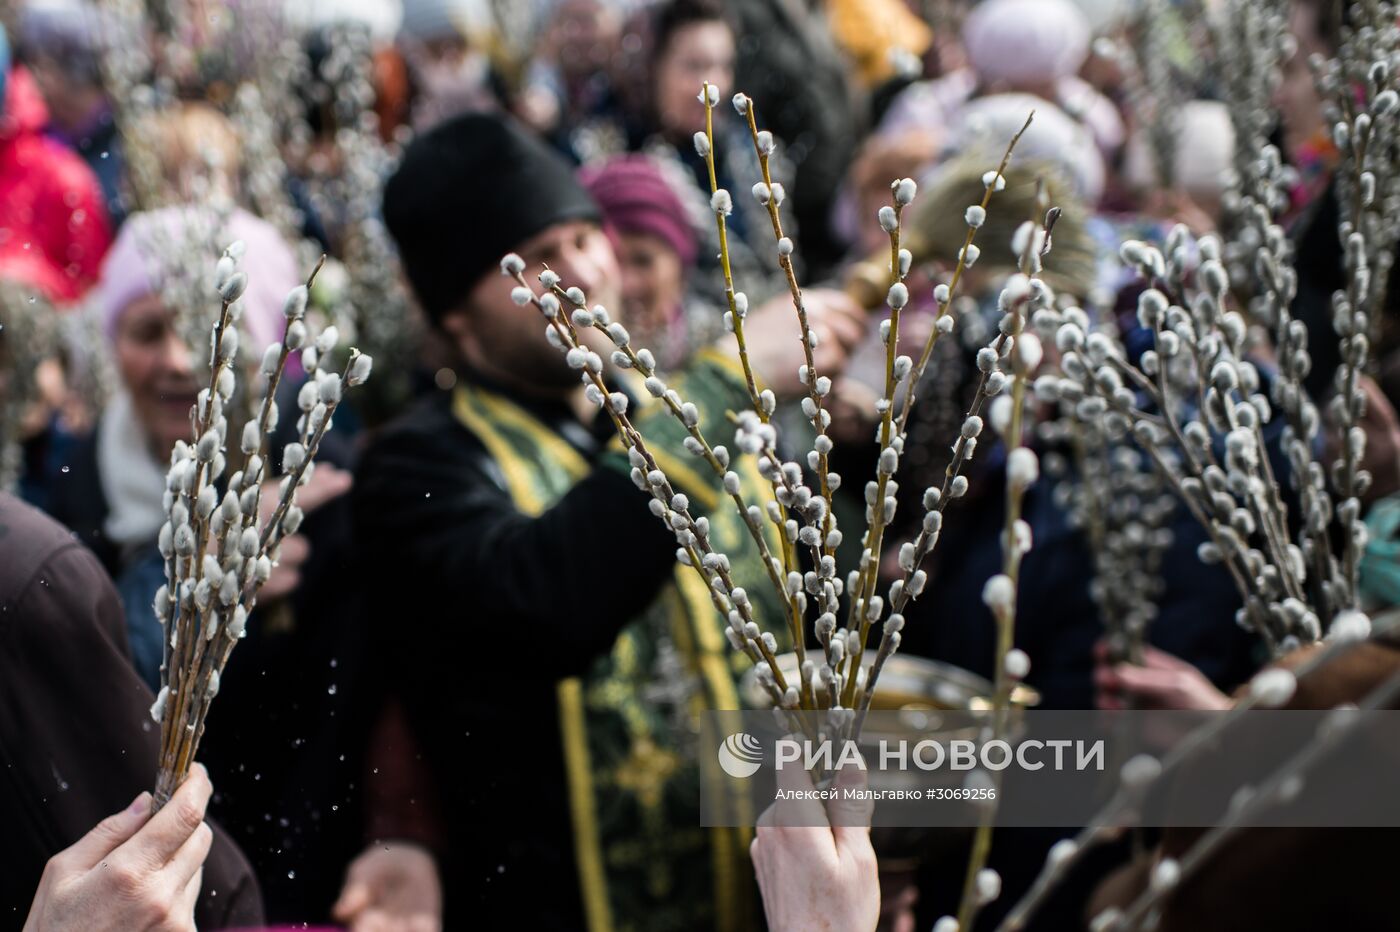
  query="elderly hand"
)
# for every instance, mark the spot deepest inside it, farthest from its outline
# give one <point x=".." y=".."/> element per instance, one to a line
<point x="391" y="887"/>
<point x="1162" y="682"/>
<point x="817" y="873"/>
<point x="134" y="872"/>
<point x="775" y="344"/>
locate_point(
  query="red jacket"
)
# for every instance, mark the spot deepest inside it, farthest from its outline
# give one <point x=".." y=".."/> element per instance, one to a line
<point x="53" y="224"/>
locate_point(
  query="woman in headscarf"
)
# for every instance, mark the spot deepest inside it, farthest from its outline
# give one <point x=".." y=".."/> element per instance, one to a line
<point x="656" y="250"/>
<point x="108" y="487"/>
<point x="286" y="738"/>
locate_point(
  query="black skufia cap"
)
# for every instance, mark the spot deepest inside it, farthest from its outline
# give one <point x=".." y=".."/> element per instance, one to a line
<point x="466" y="193"/>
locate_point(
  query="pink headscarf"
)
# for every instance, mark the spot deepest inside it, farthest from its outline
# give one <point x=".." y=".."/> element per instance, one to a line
<point x="133" y="267"/>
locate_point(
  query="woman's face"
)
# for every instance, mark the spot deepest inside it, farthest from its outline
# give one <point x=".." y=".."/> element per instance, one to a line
<point x="652" y="282"/>
<point x="157" y="369"/>
<point x="1296" y="98"/>
<point x="698" y="52"/>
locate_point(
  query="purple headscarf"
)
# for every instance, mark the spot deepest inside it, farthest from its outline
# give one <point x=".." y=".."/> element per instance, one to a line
<point x="133" y="267"/>
<point x="635" y="198"/>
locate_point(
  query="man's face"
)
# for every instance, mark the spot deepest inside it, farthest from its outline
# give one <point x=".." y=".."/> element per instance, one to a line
<point x="507" y="342"/>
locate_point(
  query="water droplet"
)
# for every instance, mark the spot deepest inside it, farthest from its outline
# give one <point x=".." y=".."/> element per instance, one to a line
<point x="291" y="875"/>
<point x="63" y="469"/>
<point x="331" y="690"/>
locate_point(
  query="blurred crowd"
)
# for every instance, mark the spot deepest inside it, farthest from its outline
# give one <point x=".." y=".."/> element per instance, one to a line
<point x="463" y="699"/>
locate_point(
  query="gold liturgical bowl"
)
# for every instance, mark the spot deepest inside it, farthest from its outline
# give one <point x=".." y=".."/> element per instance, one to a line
<point x="910" y="684"/>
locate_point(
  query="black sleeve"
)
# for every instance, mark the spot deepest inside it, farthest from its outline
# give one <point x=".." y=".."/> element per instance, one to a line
<point x="76" y="739"/>
<point x="447" y="544"/>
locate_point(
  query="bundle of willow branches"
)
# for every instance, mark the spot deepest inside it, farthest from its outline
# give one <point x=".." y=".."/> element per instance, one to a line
<point x="221" y="540"/>
<point x="842" y="675"/>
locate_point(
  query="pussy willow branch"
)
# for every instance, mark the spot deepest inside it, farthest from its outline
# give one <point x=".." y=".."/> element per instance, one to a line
<point x="270" y="398"/>
<point x="709" y="95"/>
<point x="187" y="640"/>
<point x="1275" y="537"/>
<point x="876" y="516"/>
<point x="1150" y="443"/>
<point x="771" y="195"/>
<point x="311" y="438"/>
<point x="1101" y="827"/>
<point x="1005" y="611"/>
<point x="1269" y="511"/>
<point x="216" y="562"/>
<point x="910" y="584"/>
<point x="945" y="305"/>
<point x="721" y="202"/>
<point x="1264" y="796"/>
<point x="1235" y="497"/>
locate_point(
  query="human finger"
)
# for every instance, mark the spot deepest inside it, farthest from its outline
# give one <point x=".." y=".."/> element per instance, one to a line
<point x="354" y="899"/>
<point x="189" y="860"/>
<point x="107" y="835"/>
<point x="189" y="896"/>
<point x="796" y="806"/>
<point x="1155" y="657"/>
<point x="327" y="483"/>
<point x="1148" y="681"/>
<point x="160" y="838"/>
<point x="850" y="812"/>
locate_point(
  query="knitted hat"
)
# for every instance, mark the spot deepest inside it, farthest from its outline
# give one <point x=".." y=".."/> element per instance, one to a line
<point x="635" y="198"/>
<point x="133" y="266"/>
